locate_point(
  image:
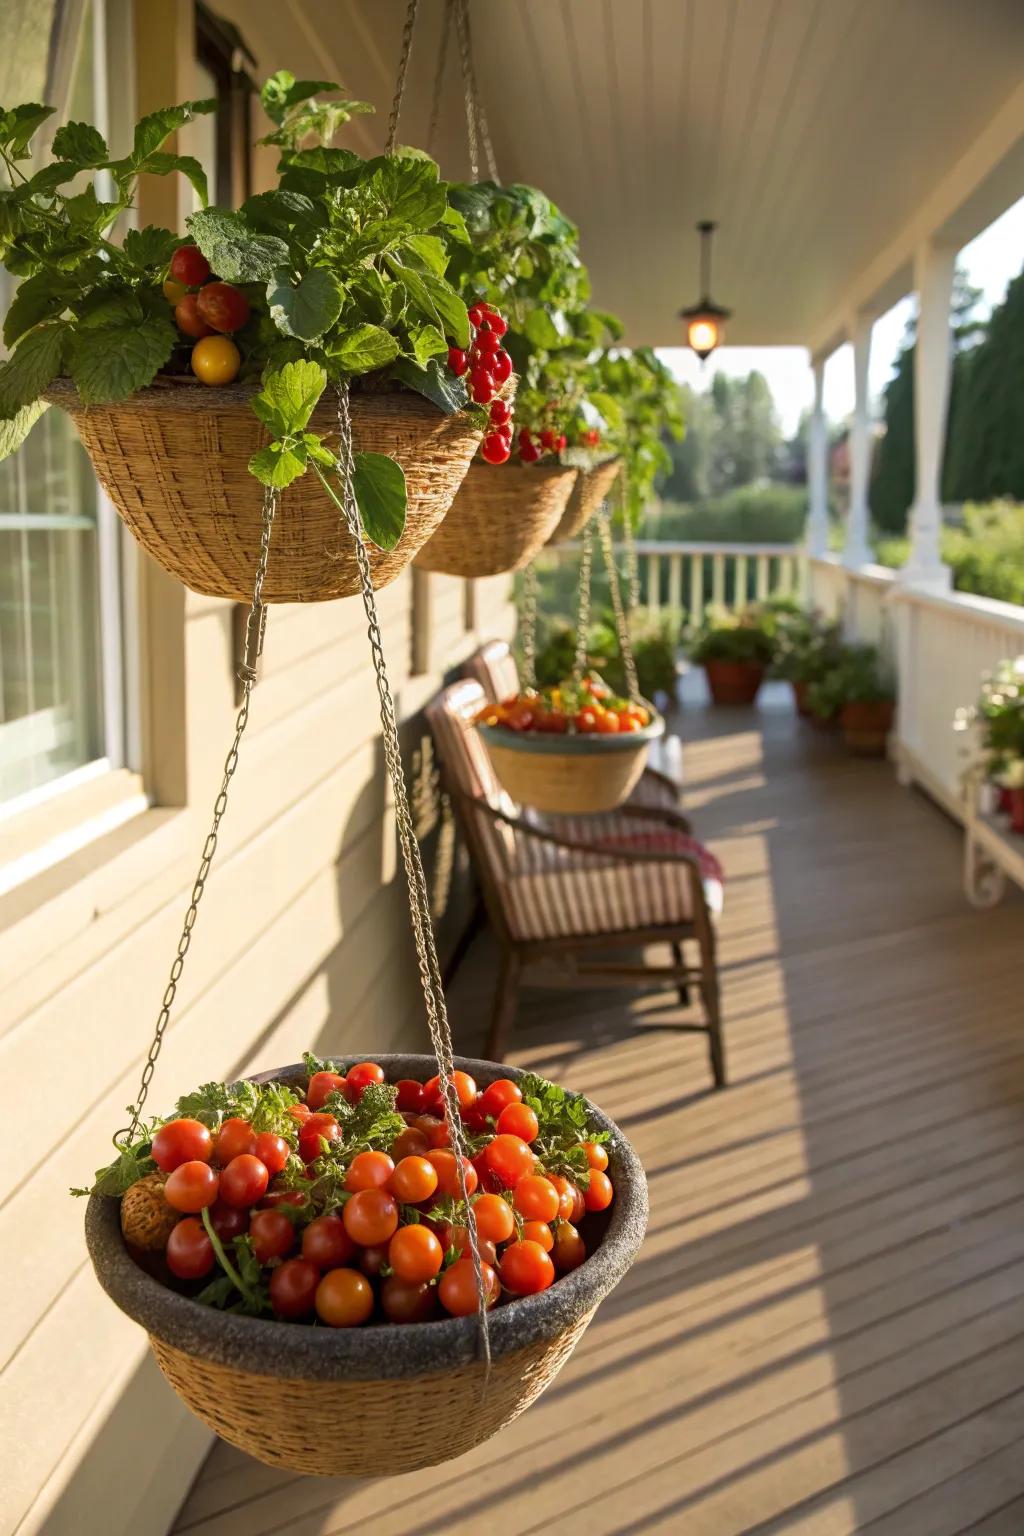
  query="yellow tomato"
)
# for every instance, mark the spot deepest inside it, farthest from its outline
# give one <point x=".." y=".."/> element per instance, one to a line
<point x="174" y="292"/>
<point x="216" y="360"/>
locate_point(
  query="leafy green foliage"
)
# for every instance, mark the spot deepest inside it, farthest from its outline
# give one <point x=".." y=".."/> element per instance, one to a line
<point x="857" y="674"/>
<point x="749" y="635"/>
<point x="564" y="1124"/>
<point x="131" y="1164"/>
<point x="639" y="401"/>
<point x="380" y="491"/>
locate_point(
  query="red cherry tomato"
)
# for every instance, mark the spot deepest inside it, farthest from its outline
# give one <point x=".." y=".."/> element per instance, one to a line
<point x="482" y="386"/>
<point x="487" y="342"/>
<point x="402" y="1302"/>
<point x="191" y="1187"/>
<point x="320" y="1085"/>
<point x="188" y="319"/>
<point x="549" y="439"/>
<point x="371" y="1217"/>
<point x="361" y="1076"/>
<point x="501" y="413"/>
<point x="518" y="1120"/>
<point x="317" y="1127"/>
<point x="586" y="722"/>
<point x="447" y="1170"/>
<point x="526" y="1269"/>
<point x="458" y="362"/>
<point x="598" y="1194"/>
<point x="410" y="1143"/>
<point x="293" y="1287"/>
<point x="529" y="453"/>
<point x="300" y="1113"/>
<point x="570" y="1200"/>
<point x="181" y="1141"/>
<point x="411" y="1097"/>
<point x="326" y="1243"/>
<point x="344" y="1299"/>
<point x="372" y="1260"/>
<point x="500" y="367"/>
<point x="509" y="1158"/>
<point x="495" y="1222"/>
<point x="234" y="1137"/>
<point x="456" y="1237"/>
<point x="369" y="1170"/>
<point x="223" y="307"/>
<point x="536" y="1198"/>
<point x="295" y="1199"/>
<point x="434" y="1130"/>
<point x="244" y="1181"/>
<point x="189" y="266"/>
<point x="476" y="314"/>
<point x="498" y="1094"/>
<point x="415" y="1254"/>
<point x="189" y="1250"/>
<point x="494" y="449"/>
<point x="457" y="1288"/>
<point x="272" y="1151"/>
<point x="228" y="1221"/>
<point x="414" y="1179"/>
<point x="273" y="1236"/>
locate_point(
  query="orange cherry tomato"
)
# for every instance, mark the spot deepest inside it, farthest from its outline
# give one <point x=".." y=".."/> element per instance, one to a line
<point x="216" y="360"/>
<point x="414" y="1179"/>
<point x="320" y="1085"/>
<point x="371" y="1217"/>
<point x="409" y="1143"/>
<point x="570" y="1203"/>
<point x="448" y="1173"/>
<point x="369" y="1170"/>
<point x="234" y="1137"/>
<point x="526" y="1269"/>
<point x="569" y="1249"/>
<point x="538" y="1232"/>
<point x="518" y="1120"/>
<point x="509" y="1158"/>
<point x="344" y="1298"/>
<point x="495" y="1222"/>
<point x="597" y="1156"/>
<point x="536" y="1198"/>
<point x="498" y="1095"/>
<point x="188" y="319"/>
<point x="457" y="1288"/>
<point x="415" y="1254"/>
<point x="598" y="1194"/>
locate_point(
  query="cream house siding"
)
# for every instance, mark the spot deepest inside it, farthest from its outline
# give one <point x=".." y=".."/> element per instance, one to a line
<point x="303" y="941"/>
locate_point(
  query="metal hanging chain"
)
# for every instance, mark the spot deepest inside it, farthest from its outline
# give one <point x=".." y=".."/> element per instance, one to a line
<point x="403" y="69"/>
<point x="583" y="610"/>
<point x="419" y="899"/>
<point x="621" y="622"/>
<point x="632" y="560"/>
<point x="255" y="630"/>
<point x="528" y="625"/>
<point x="442" y="64"/>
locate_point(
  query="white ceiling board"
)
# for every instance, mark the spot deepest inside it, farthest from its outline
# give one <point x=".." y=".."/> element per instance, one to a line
<point x="813" y="130"/>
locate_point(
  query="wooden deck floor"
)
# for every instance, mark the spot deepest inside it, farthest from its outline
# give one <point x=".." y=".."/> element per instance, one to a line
<point x="824" y="1331"/>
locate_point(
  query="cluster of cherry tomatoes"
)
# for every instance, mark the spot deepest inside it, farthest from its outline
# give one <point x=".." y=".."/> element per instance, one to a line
<point x="209" y="312"/>
<point x="585" y="708"/>
<point x="489" y="366"/>
<point x="391" y="1238"/>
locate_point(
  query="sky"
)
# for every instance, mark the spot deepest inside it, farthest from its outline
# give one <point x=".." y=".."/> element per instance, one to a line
<point x="990" y="261"/>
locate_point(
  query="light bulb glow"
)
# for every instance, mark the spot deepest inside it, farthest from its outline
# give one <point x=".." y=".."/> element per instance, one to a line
<point x="703" y="336"/>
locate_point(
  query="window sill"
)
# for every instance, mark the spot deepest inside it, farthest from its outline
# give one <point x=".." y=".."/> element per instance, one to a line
<point x="58" y="825"/>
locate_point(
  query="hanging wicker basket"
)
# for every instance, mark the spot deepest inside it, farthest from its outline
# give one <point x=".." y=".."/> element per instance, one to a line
<point x="572" y="774"/>
<point x="592" y="487"/>
<point x="499" y="519"/>
<point x="173" y="460"/>
<point x="289" y="1394"/>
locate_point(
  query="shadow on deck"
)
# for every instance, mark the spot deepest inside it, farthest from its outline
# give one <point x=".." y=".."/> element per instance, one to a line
<point x="824" y="1331"/>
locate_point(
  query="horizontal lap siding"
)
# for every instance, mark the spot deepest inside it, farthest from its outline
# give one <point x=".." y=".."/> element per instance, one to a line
<point x="302" y="941"/>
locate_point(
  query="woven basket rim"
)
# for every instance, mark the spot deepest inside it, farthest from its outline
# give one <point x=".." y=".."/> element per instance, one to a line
<point x="176" y="392"/>
<point x="302" y="1352"/>
<point x="579" y="744"/>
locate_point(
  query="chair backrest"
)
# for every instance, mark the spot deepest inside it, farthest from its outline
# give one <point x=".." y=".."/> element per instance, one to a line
<point x="494" y="668"/>
<point x="468" y="765"/>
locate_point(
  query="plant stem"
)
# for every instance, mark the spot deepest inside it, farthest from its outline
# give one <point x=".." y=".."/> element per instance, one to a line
<point x="222" y="1258"/>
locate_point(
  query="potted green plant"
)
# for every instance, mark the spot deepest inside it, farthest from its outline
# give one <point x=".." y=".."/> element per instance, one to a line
<point x="735" y="650"/>
<point x="807" y="647"/>
<point x="239" y="338"/>
<point x="858" y="689"/>
<point x="997" y="721"/>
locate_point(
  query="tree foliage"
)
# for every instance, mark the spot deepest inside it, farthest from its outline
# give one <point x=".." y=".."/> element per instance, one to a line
<point x="732" y="439"/>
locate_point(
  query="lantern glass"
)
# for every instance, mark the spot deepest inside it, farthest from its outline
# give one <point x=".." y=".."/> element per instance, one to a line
<point x="703" y="335"/>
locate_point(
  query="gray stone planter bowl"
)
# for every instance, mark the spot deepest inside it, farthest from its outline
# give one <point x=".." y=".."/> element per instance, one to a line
<point x="302" y="1352"/>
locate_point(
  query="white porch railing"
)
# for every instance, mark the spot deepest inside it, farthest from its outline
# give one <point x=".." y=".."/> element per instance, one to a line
<point x="689" y="576"/>
<point x="941" y="644"/>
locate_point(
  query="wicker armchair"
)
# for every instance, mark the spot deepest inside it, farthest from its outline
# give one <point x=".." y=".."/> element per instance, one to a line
<point x="579" y="889"/>
<point x="494" y="668"/>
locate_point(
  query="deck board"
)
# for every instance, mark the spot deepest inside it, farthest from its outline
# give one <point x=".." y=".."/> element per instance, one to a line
<point x="824" y="1331"/>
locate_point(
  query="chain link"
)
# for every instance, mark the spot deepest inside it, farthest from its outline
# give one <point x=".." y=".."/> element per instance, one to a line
<point x="403" y="68"/>
<point x="621" y="622"/>
<point x="419" y="899"/>
<point x="528" y="625"/>
<point x="255" y="630"/>
<point x="579" y="665"/>
<point x="632" y="560"/>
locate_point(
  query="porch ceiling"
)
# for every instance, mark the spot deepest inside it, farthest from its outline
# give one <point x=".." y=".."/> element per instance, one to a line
<point x="814" y="131"/>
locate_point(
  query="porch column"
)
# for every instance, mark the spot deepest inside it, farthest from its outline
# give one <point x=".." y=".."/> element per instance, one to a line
<point x="933" y="362"/>
<point x="857" y="551"/>
<point x="817" y="467"/>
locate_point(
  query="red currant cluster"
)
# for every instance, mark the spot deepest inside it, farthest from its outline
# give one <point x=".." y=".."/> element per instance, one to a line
<point x="533" y="444"/>
<point x="488" y="366"/>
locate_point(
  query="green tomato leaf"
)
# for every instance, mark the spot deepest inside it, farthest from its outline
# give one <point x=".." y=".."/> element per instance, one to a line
<point x="282" y="91"/>
<point x="113" y="354"/>
<point x="31" y="368"/>
<point x="277" y="212"/>
<point x="43" y="297"/>
<point x="541" y="330"/>
<point x="409" y="189"/>
<point x="434" y="382"/>
<point x="427" y="342"/>
<point x="151" y="131"/>
<point x="309" y="309"/>
<point x="451" y="309"/>
<point x="235" y="253"/>
<point x="380" y="491"/>
<point x="363" y="349"/>
<point x="149" y="247"/>
<point x="19" y="125"/>
<point x="14" y="432"/>
<point x="315" y="448"/>
<point x="161" y="164"/>
<point x="80" y="144"/>
<point x="277" y="465"/>
<point x="289" y="397"/>
<point x="87" y="216"/>
<point x="430" y="251"/>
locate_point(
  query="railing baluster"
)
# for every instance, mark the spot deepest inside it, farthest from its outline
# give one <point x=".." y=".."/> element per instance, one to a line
<point x="653" y="583"/>
<point x="763" y="577"/>
<point x="718" y="580"/>
<point x="675" y="582"/>
<point x="740" y="592"/>
<point x="696" y="588"/>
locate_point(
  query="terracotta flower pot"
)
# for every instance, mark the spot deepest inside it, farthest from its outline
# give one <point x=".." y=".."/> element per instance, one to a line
<point x="866" y="726"/>
<point x="1004" y="800"/>
<point x="800" y="692"/>
<point x="734" y="682"/>
<point x="1016" y="798"/>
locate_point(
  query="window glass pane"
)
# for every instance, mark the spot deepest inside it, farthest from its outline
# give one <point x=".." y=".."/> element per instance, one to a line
<point x="51" y="717"/>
